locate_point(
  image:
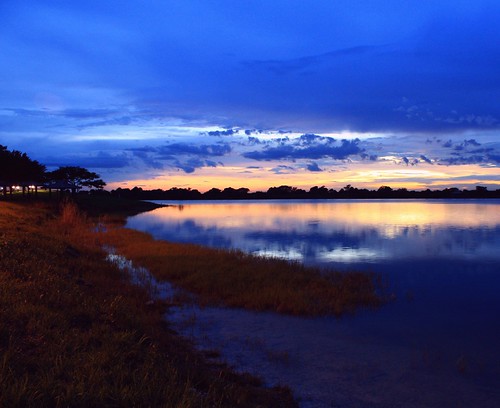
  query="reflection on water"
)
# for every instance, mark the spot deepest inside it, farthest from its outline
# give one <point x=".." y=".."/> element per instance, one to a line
<point x="340" y="232"/>
<point x="436" y="345"/>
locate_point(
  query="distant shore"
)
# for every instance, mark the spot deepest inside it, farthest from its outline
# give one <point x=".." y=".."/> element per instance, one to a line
<point x="292" y="193"/>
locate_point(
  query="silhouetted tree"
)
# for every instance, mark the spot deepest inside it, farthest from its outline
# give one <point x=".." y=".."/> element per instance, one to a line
<point x="385" y="189"/>
<point x="213" y="193"/>
<point x="230" y="193"/>
<point x="318" y="192"/>
<point x="286" y="192"/>
<point x="16" y="168"/>
<point x="76" y="177"/>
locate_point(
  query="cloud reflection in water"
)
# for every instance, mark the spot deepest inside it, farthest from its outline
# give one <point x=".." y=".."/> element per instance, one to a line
<point x="322" y="232"/>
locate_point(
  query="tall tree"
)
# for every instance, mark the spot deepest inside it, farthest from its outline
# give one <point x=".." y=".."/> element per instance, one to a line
<point x="77" y="177"/>
<point x="17" y="168"/>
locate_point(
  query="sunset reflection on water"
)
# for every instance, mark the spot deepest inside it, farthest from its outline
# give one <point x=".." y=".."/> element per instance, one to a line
<point x="342" y="231"/>
<point x="373" y="213"/>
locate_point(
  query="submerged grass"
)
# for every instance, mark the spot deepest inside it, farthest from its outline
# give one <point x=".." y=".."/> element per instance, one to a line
<point x="233" y="278"/>
<point x="74" y="332"/>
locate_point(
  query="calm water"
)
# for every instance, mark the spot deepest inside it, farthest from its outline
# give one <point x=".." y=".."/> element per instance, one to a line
<point x="338" y="232"/>
<point x="435" y="345"/>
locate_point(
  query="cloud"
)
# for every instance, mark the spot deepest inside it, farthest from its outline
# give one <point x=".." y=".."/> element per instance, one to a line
<point x="111" y="116"/>
<point x="252" y="140"/>
<point x="371" y="157"/>
<point x="468" y="158"/>
<point x="313" y="167"/>
<point x="88" y="113"/>
<point x="474" y="177"/>
<point x="425" y="159"/>
<point x="469" y="151"/>
<point x="307" y="146"/>
<point x="283" y="67"/>
<point x="435" y="69"/>
<point x="407" y="161"/>
<point x="472" y="142"/>
<point x="361" y="88"/>
<point x="495" y="158"/>
<point x="174" y="149"/>
<point x="119" y="121"/>
<point x="101" y="160"/>
<point x="283" y="169"/>
<point x="228" y="132"/>
<point x="146" y="154"/>
<point x="452" y="150"/>
<point x="190" y="165"/>
<point x="185" y="156"/>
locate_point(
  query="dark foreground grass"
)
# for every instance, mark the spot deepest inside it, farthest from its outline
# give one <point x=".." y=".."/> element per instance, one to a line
<point x="74" y="332"/>
<point x="112" y="209"/>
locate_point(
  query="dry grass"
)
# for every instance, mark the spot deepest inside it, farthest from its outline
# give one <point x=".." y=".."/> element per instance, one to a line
<point x="236" y="279"/>
<point x="74" y="332"/>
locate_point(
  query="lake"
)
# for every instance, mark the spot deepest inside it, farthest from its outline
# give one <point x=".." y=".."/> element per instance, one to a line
<point x="436" y="344"/>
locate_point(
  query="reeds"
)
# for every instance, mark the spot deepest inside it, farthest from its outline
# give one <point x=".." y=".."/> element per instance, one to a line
<point x="235" y="279"/>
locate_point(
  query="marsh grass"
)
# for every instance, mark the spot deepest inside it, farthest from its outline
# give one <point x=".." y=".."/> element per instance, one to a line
<point x="74" y="331"/>
<point x="235" y="279"/>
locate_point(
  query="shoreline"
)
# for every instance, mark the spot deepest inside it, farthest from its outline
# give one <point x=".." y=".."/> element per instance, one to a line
<point x="232" y="278"/>
<point x="75" y="331"/>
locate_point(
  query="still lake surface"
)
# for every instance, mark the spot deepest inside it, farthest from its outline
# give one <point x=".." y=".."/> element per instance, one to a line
<point x="437" y="344"/>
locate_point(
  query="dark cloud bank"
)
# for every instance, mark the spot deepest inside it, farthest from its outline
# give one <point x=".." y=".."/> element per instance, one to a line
<point x="308" y="146"/>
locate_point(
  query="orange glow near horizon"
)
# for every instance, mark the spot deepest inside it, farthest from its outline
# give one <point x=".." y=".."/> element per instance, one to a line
<point x="389" y="217"/>
<point x="359" y="175"/>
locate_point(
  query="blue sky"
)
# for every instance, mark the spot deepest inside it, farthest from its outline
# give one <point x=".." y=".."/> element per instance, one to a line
<point x="256" y="93"/>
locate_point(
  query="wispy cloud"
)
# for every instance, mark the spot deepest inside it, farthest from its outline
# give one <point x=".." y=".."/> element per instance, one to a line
<point x="191" y="164"/>
<point x="174" y="149"/>
<point x="101" y="160"/>
<point x="184" y="156"/>
<point x="286" y="66"/>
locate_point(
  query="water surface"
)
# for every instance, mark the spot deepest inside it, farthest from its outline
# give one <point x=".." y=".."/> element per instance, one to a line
<point x="436" y="345"/>
<point x="335" y="231"/>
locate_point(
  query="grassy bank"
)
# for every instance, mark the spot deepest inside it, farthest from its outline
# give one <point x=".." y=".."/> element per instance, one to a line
<point x="74" y="332"/>
<point x="236" y="279"/>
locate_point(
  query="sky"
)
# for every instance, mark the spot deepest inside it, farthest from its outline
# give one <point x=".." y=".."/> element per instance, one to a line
<point x="224" y="93"/>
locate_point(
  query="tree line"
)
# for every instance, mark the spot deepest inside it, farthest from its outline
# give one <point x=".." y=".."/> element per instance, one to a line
<point x="17" y="169"/>
<point x="288" y="192"/>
